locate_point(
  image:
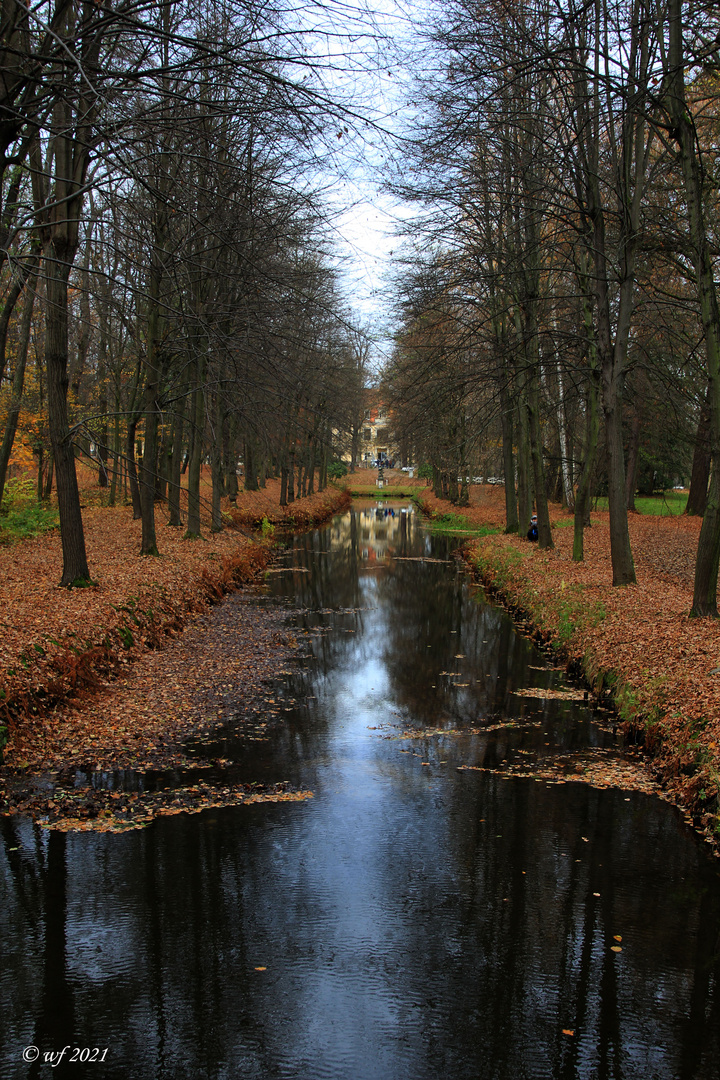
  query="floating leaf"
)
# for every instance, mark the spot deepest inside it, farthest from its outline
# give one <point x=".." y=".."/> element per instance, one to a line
<point x="542" y="692"/>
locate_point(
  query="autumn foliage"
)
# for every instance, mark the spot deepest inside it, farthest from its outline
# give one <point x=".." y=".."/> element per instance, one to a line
<point x="58" y="645"/>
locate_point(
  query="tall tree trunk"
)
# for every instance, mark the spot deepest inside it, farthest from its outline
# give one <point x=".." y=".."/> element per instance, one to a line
<point x="620" y="552"/>
<point x="283" y="482"/>
<point x="58" y="260"/>
<point x="564" y="440"/>
<point x="624" y="142"/>
<point x="58" y="209"/>
<point x="16" y="290"/>
<point x="291" y="471"/>
<point x="506" y="422"/>
<point x="195" y="465"/>
<point x="437" y="482"/>
<point x="216" y="464"/>
<point x="49" y="475"/>
<point x="131" y="467"/>
<point x="151" y="416"/>
<point x="103" y="434"/>
<point x="176" y="457"/>
<point x="592" y="430"/>
<point x="148" y="470"/>
<point x="230" y="458"/>
<point x="323" y="480"/>
<point x="116" y="476"/>
<point x="40" y="476"/>
<point x="292" y="440"/>
<point x="524" y="483"/>
<point x="633" y="460"/>
<point x="708" y="553"/>
<point x="251" y="480"/>
<point x="545" y="539"/>
<point x="697" y="495"/>
<point x="612" y="370"/>
<point x="18" y="378"/>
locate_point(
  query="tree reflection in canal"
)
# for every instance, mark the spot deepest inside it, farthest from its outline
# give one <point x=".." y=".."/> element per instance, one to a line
<point x="411" y="921"/>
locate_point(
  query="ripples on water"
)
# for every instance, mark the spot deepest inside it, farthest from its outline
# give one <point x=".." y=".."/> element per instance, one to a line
<point x="413" y="920"/>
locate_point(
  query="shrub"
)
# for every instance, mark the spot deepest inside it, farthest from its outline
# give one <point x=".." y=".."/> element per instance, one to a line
<point x="336" y="470"/>
<point x="21" y="515"/>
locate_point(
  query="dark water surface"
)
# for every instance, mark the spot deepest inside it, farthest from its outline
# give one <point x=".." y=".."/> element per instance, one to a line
<point x="412" y="920"/>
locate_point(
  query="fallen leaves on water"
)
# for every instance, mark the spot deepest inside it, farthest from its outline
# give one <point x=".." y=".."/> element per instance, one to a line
<point x="287" y="569"/>
<point x="120" y="812"/>
<point x="598" y="768"/>
<point x="544" y="692"/>
<point x="419" y="558"/>
<point x="430" y="733"/>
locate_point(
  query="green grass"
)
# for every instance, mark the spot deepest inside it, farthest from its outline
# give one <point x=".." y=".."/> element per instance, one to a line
<point x="569" y="523"/>
<point x="668" y="504"/>
<point x="497" y="565"/>
<point x="458" y="524"/>
<point x="21" y="515"/>
<point x="576" y="612"/>
<point x="383" y="493"/>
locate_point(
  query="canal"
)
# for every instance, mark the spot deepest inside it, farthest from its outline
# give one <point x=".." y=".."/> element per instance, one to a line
<point x="450" y="903"/>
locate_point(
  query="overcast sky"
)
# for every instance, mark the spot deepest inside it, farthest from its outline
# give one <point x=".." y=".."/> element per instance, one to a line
<point x="366" y="218"/>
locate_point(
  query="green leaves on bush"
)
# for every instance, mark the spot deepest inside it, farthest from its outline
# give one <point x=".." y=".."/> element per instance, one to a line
<point x="21" y="515"/>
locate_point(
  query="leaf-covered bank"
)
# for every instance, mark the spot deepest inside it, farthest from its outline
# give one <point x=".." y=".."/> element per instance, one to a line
<point x="66" y="653"/>
<point x="636" y="646"/>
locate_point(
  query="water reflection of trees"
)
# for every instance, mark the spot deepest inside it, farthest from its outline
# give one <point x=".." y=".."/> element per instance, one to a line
<point x="360" y="600"/>
<point x="459" y="942"/>
<point x="412" y="922"/>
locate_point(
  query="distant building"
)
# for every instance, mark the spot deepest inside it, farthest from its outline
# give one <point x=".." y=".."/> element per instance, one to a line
<point x="376" y="438"/>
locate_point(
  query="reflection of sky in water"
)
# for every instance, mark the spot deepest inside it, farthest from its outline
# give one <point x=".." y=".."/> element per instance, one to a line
<point x="413" y="921"/>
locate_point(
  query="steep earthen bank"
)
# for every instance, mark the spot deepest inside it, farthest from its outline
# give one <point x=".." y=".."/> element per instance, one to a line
<point x="636" y="647"/>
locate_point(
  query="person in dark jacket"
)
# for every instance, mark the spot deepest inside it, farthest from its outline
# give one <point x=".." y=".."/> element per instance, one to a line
<point x="532" y="531"/>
